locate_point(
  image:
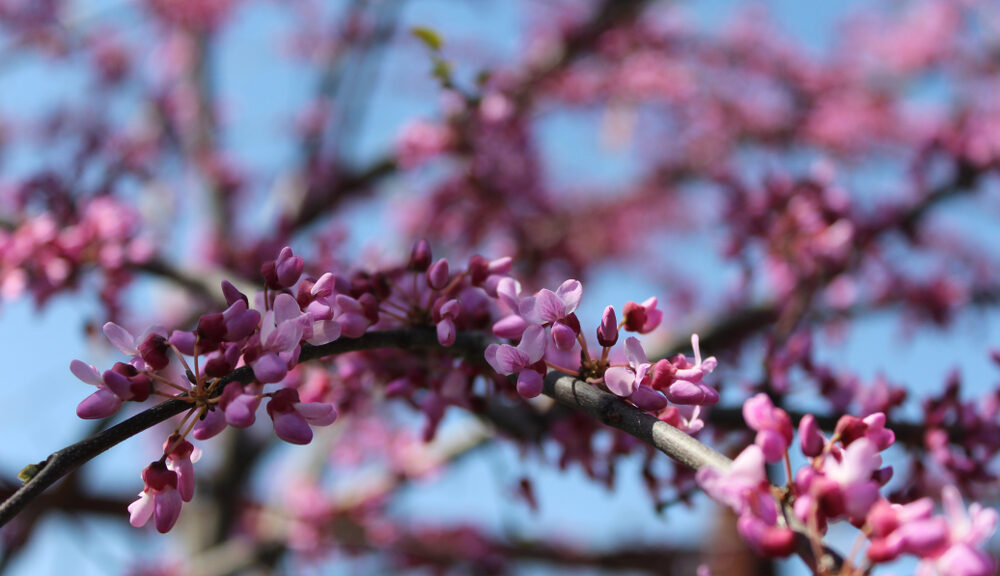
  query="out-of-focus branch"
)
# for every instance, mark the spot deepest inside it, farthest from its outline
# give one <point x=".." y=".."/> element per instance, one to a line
<point x="205" y="285"/>
<point x="610" y="13"/>
<point x="337" y="190"/>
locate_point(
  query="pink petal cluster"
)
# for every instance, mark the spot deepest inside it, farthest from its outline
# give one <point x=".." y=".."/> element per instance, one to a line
<point x="746" y="489"/>
<point x="525" y="360"/>
<point x="159" y="499"/>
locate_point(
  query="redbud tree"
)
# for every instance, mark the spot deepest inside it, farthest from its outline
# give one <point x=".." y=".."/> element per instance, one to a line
<point x="332" y="249"/>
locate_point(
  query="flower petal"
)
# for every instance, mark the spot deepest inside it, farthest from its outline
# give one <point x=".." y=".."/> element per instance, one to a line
<point x="121" y="338"/>
<point x="168" y="508"/>
<point x="100" y="404"/>
<point x="317" y="413"/>
<point x="292" y="427"/>
<point x="529" y="383"/>
<point x="634" y="352"/>
<point x="533" y="344"/>
<point x="570" y="293"/>
<point x="86" y="372"/>
<point x="141" y="510"/>
<point x="620" y="381"/>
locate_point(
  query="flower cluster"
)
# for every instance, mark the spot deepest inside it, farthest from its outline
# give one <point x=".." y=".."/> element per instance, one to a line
<point x="46" y="254"/>
<point x="841" y="481"/>
<point x="550" y="336"/>
<point x="293" y="310"/>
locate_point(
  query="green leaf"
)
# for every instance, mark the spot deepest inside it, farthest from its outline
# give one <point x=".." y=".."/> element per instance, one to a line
<point x="429" y="37"/>
<point x="442" y="71"/>
<point x="29" y="472"/>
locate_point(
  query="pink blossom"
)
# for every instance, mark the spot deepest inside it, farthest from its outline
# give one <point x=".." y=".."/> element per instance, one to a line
<point x="181" y="459"/>
<point x="446" y="314"/>
<point x="546" y="307"/>
<point x="281" y="331"/>
<point x="523" y="360"/>
<point x="292" y="419"/>
<point x="149" y="349"/>
<point x="333" y="315"/>
<point x="773" y="426"/>
<point x="102" y="403"/>
<point x="419" y="141"/>
<point x="681" y="381"/>
<point x="625" y="380"/>
<point x="284" y="271"/>
<point x="968" y="531"/>
<point x="642" y="318"/>
<point x="811" y="440"/>
<point x="159" y="498"/>
<point x="852" y="474"/>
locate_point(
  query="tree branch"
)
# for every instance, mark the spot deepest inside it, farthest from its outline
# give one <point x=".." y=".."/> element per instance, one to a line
<point x="576" y="394"/>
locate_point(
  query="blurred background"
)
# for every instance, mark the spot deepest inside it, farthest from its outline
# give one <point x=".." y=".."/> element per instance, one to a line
<point x="646" y="148"/>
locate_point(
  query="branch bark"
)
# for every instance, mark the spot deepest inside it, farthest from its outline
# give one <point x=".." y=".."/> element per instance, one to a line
<point x="565" y="389"/>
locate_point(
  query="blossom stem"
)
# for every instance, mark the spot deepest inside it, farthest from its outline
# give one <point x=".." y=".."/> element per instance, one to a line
<point x="181" y="358"/>
<point x="583" y="347"/>
<point x="788" y="469"/>
<point x="197" y="373"/>
<point x="180" y="438"/>
<point x="561" y="369"/>
<point x="165" y="382"/>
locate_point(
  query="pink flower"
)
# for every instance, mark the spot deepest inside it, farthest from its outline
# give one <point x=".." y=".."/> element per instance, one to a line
<point x="284" y="271"/>
<point x="681" y="380"/>
<point x="292" y="419"/>
<point x="445" y="315"/>
<point x="773" y="426"/>
<point x="239" y="321"/>
<point x="524" y="360"/>
<point x="642" y="318"/>
<point x="546" y="307"/>
<point x="419" y="141"/>
<point x="122" y="383"/>
<point x="509" y="294"/>
<point x="968" y="531"/>
<point x="742" y="483"/>
<point x="159" y="498"/>
<point x="333" y="315"/>
<point x="746" y="490"/>
<point x="281" y="331"/>
<point x="852" y="472"/>
<point x="625" y="380"/>
<point x="909" y="528"/>
<point x="150" y="348"/>
<point x="102" y="403"/>
<point x="181" y="459"/>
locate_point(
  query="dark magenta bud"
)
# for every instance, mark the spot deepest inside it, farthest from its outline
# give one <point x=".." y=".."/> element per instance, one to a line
<point x="154" y="351"/>
<point x="420" y="256"/>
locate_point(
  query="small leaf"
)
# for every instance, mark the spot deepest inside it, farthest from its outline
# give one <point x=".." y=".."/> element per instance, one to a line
<point x="29" y="472"/>
<point x="442" y="71"/>
<point x="429" y="37"/>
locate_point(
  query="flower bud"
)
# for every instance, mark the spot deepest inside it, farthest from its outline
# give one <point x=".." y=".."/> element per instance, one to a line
<point x="607" y="332"/>
<point x="420" y="256"/>
<point x="810" y="438"/>
<point x="438" y="274"/>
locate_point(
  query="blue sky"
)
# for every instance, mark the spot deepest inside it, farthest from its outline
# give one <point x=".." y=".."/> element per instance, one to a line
<point x="37" y="403"/>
